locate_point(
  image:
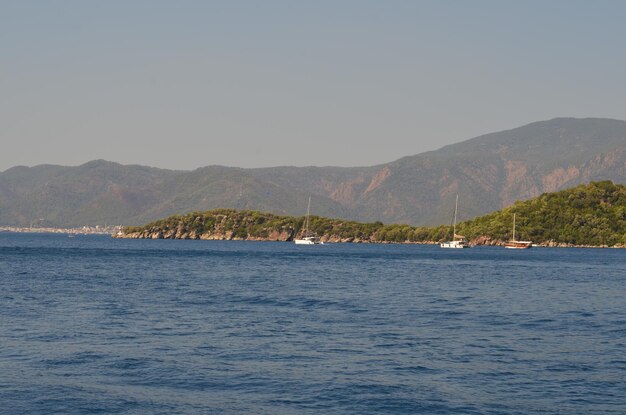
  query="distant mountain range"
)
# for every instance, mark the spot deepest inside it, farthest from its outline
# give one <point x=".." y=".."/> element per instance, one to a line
<point x="488" y="172"/>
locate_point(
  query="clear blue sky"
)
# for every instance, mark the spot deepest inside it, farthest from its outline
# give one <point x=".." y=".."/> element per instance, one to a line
<point x="184" y="84"/>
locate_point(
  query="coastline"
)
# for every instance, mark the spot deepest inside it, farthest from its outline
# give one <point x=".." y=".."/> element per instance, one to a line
<point x="286" y="237"/>
<point x="117" y="232"/>
<point x="83" y="230"/>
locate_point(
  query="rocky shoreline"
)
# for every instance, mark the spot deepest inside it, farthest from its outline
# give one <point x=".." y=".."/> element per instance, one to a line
<point x="273" y="236"/>
<point x="287" y="236"/>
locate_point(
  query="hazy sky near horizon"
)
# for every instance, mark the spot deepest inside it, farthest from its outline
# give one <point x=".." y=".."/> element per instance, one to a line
<point x="185" y="84"/>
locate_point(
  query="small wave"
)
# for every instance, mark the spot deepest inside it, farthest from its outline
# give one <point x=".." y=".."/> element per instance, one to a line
<point x="564" y="367"/>
<point x="74" y="359"/>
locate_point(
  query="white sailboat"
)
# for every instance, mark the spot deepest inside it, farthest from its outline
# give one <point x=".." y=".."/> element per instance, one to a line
<point x="515" y="244"/>
<point x="308" y="238"/>
<point x="457" y="241"/>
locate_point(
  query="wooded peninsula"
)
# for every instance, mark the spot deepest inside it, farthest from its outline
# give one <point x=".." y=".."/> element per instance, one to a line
<point x="591" y="215"/>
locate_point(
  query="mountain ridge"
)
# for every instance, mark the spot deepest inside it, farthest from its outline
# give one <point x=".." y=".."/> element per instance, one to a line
<point x="489" y="172"/>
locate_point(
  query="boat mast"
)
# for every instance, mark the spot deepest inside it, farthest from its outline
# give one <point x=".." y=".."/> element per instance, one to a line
<point x="513" y="227"/>
<point x="306" y="219"/>
<point x="456" y="206"/>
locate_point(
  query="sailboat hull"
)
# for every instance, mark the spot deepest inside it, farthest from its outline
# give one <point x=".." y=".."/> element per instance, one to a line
<point x="518" y="244"/>
<point x="454" y="244"/>
<point x="311" y="240"/>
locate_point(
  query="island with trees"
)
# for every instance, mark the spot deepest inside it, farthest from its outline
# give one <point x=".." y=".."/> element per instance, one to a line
<point x="591" y="215"/>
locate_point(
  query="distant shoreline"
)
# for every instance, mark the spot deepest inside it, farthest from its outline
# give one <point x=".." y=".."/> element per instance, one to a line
<point x="83" y="230"/>
<point x="116" y="232"/>
<point x="221" y="237"/>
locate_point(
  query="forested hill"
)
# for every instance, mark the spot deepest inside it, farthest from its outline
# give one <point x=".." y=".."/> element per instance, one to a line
<point x="592" y="214"/>
<point x="586" y="215"/>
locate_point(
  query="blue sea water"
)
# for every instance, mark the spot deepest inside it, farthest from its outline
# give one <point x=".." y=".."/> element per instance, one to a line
<point x="95" y="325"/>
